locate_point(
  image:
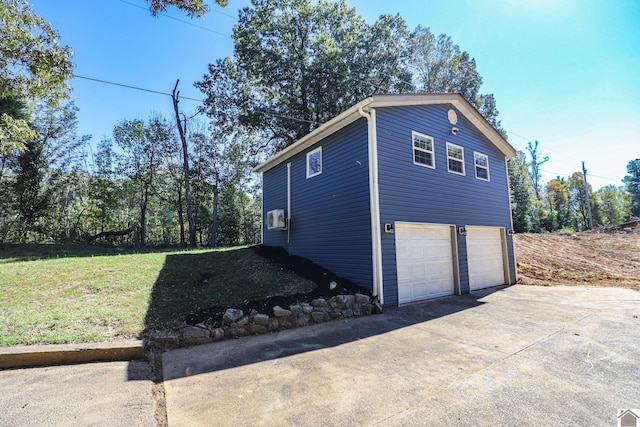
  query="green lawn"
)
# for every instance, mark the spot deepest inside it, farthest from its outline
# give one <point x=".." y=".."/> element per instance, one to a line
<point x="63" y="294"/>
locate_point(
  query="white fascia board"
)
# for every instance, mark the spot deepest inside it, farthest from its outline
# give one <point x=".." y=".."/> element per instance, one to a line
<point x="347" y="117"/>
<point x="376" y="101"/>
<point x="457" y="101"/>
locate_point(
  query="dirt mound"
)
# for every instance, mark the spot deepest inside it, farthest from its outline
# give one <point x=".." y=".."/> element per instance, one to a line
<point x="608" y="256"/>
<point x="629" y="227"/>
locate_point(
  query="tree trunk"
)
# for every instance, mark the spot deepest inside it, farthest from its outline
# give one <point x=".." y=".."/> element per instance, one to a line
<point x="214" y="222"/>
<point x="185" y="166"/>
<point x="143" y="214"/>
<point x="180" y="215"/>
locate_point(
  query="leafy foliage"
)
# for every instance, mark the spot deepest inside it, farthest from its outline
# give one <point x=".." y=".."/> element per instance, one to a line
<point x="615" y="204"/>
<point x="521" y="193"/>
<point x="194" y="8"/>
<point x="633" y="185"/>
<point x="33" y="66"/>
<point x="297" y="64"/>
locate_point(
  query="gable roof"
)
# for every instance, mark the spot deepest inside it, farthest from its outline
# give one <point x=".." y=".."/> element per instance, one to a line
<point x="353" y="114"/>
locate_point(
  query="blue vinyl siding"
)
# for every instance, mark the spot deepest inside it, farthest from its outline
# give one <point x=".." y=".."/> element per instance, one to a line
<point x="411" y="193"/>
<point x="330" y="212"/>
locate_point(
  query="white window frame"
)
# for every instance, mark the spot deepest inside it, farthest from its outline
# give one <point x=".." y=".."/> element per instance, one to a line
<point x="449" y="144"/>
<point x="476" y="166"/>
<point x="309" y="154"/>
<point x="432" y="151"/>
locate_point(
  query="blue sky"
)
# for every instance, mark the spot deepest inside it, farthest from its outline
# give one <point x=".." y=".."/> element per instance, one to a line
<point x="564" y="72"/>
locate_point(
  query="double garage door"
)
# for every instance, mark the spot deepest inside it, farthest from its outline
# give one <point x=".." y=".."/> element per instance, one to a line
<point x="426" y="260"/>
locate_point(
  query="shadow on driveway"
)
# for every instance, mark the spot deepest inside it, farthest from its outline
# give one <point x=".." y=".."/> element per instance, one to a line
<point x="291" y="342"/>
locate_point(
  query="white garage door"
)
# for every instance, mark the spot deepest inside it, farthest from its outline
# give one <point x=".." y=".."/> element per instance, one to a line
<point x="424" y="261"/>
<point x="485" y="257"/>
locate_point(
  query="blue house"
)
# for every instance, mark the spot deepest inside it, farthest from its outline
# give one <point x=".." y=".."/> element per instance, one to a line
<point x="407" y="195"/>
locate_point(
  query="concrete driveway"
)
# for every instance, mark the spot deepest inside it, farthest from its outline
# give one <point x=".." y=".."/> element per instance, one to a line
<point x="507" y="356"/>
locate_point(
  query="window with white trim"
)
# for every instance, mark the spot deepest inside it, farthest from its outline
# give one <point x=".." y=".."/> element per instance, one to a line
<point x="423" y="150"/>
<point x="481" y="162"/>
<point x="314" y="162"/>
<point x="455" y="158"/>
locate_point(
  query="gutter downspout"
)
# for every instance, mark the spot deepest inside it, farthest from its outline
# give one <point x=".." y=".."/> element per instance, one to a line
<point x="374" y="202"/>
<point x="513" y="249"/>
<point x="288" y="202"/>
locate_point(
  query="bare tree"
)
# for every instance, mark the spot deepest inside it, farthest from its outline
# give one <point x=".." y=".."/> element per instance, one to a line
<point x="175" y="95"/>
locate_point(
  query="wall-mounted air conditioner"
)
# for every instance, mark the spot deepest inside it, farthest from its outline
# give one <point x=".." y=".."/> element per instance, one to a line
<point x="276" y="220"/>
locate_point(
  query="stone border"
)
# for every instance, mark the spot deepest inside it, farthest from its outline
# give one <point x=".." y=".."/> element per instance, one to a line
<point x="236" y="323"/>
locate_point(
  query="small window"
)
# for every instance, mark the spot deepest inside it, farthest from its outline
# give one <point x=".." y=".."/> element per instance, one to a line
<point x="423" y="150"/>
<point x="482" y="166"/>
<point x="314" y="162"/>
<point x="455" y="158"/>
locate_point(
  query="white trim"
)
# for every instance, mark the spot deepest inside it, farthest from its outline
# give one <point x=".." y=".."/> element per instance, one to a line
<point x="309" y="154"/>
<point x="288" y="202"/>
<point x="374" y="204"/>
<point x="455" y="158"/>
<point x="475" y="165"/>
<point x="432" y="152"/>
<point x="353" y="114"/>
<point x="513" y="249"/>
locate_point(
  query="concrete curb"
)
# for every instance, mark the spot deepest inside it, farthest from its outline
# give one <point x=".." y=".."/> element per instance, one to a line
<point x="59" y="354"/>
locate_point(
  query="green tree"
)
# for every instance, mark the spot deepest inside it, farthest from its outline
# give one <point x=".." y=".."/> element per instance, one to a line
<point x="439" y="66"/>
<point x="558" y="199"/>
<point x="577" y="193"/>
<point x="42" y="170"/>
<point x="522" y="200"/>
<point x="140" y="160"/>
<point x="615" y="204"/>
<point x="633" y="185"/>
<point x="299" y="63"/>
<point x="194" y="8"/>
<point x="33" y="66"/>
<point x="535" y="167"/>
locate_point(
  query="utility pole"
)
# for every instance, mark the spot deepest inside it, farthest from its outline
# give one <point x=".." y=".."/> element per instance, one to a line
<point x="586" y="193"/>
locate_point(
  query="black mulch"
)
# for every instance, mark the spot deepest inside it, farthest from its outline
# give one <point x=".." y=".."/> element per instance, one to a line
<point x="302" y="267"/>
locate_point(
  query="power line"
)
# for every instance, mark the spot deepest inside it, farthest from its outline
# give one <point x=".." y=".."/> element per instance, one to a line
<point x="179" y="20"/>
<point x="157" y="92"/>
<point x="134" y="87"/>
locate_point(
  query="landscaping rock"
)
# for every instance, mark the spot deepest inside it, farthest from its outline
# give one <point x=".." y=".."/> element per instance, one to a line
<point x="257" y="329"/>
<point x="319" y="302"/>
<point x="319" y="316"/>
<point x="261" y="319"/>
<point x="243" y="322"/>
<point x="165" y="338"/>
<point x="361" y="299"/>
<point x="217" y="333"/>
<point x="306" y="308"/>
<point x="280" y="312"/>
<point x="273" y="324"/>
<point x="232" y="315"/>
<point x="340" y="300"/>
<point x="296" y="309"/>
<point x="195" y="335"/>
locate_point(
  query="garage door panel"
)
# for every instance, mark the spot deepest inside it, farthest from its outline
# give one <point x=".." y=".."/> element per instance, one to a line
<point x="485" y="257"/>
<point x="424" y="261"/>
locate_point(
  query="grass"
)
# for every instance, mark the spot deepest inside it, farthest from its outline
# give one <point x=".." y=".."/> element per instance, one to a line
<point x="65" y="294"/>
